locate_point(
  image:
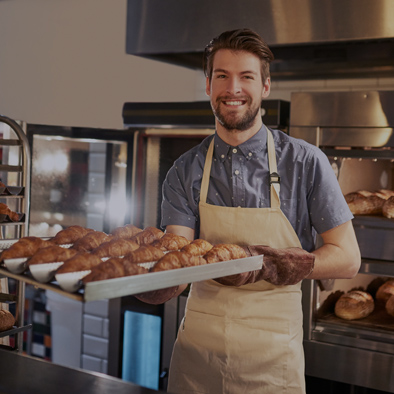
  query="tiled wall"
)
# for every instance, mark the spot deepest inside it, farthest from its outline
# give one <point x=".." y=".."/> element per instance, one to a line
<point x="95" y="336"/>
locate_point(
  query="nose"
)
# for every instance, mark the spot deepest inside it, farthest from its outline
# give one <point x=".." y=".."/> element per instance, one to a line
<point x="233" y="86"/>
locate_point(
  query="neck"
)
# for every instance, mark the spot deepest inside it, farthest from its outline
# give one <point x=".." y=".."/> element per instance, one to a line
<point x="237" y="137"/>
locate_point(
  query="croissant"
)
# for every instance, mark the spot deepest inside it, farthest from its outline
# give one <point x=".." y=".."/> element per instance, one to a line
<point x="126" y="232"/>
<point x="70" y="235"/>
<point x="5" y="210"/>
<point x="91" y="241"/>
<point x="113" y="268"/>
<point x="115" y="248"/>
<point x="24" y="247"/>
<point x="224" y="252"/>
<point x="147" y="236"/>
<point x="198" y="247"/>
<point x="82" y="261"/>
<point x="170" y="242"/>
<point x="174" y="260"/>
<point x="144" y="254"/>
<point x="51" y="254"/>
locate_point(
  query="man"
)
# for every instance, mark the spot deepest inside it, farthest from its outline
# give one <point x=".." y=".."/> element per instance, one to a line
<point x="251" y="186"/>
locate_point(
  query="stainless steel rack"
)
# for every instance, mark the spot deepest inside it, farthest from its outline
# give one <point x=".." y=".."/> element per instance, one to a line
<point x="20" y="195"/>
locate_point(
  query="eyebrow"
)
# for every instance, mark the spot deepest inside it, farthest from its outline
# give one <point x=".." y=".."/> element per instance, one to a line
<point x="221" y="70"/>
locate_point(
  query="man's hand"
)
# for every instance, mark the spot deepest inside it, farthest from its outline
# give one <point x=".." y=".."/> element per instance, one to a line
<point x="286" y="266"/>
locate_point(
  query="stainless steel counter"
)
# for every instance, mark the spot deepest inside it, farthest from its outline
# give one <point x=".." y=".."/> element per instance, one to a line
<point x="21" y="374"/>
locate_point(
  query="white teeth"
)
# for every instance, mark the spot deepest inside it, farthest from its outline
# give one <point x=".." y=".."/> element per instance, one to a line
<point x="233" y="102"/>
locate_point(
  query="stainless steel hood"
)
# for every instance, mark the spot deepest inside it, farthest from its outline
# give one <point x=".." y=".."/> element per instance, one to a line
<point x="309" y="38"/>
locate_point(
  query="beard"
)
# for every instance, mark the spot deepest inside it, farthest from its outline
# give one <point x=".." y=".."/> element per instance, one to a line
<point x="231" y="120"/>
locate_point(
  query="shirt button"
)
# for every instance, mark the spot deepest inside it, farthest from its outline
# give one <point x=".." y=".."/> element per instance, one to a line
<point x="250" y="154"/>
<point x="236" y="172"/>
<point x="222" y="156"/>
<point x="234" y="150"/>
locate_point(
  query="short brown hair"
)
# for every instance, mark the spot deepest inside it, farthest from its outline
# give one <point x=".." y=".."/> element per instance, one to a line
<point x="239" y="40"/>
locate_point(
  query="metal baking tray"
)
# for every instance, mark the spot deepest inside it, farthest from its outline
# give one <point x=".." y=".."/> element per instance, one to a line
<point x="15" y="330"/>
<point x="129" y="285"/>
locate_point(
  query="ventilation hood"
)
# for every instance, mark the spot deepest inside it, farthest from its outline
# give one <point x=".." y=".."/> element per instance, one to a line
<point x="309" y="38"/>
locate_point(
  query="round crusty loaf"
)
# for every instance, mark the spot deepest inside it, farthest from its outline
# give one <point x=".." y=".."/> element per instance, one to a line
<point x="385" y="291"/>
<point x="355" y="304"/>
<point x="7" y="320"/>
<point x="390" y="306"/>
<point x="388" y="208"/>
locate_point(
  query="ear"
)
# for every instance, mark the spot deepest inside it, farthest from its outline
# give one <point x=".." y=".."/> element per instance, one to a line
<point x="266" y="88"/>
<point x="207" y="87"/>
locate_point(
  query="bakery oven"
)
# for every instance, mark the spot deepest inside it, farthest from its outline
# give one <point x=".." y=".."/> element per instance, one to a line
<point x="355" y="130"/>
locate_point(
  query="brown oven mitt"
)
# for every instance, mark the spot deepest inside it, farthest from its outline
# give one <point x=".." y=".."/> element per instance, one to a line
<point x="157" y="297"/>
<point x="286" y="266"/>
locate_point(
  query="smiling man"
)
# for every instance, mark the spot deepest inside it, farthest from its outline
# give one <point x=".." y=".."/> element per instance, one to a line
<point x="252" y="186"/>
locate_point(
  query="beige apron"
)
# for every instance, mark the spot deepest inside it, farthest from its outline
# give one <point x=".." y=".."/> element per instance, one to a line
<point x="246" y="339"/>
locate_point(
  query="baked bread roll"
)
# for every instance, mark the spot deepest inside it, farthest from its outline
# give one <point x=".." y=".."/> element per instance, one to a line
<point x="198" y="247"/>
<point x="385" y="291"/>
<point x="388" y="208"/>
<point x="147" y="236"/>
<point x="51" y="254"/>
<point x="390" y="306"/>
<point x="5" y="210"/>
<point x="70" y="235"/>
<point x="91" y="241"/>
<point x="126" y="232"/>
<point x="170" y="242"/>
<point x="115" y="248"/>
<point x="225" y="252"/>
<point x="144" y="254"/>
<point x="82" y="261"/>
<point x="7" y="320"/>
<point x="113" y="268"/>
<point x="355" y="304"/>
<point x="364" y="202"/>
<point x="24" y="247"/>
<point x="175" y="260"/>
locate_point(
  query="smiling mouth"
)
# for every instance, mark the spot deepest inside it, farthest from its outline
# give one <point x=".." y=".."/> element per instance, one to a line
<point x="234" y="103"/>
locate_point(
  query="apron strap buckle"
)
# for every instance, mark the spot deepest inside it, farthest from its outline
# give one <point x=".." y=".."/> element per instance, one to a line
<point x="274" y="178"/>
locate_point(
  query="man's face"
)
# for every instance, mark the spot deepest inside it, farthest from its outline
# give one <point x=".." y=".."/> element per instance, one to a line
<point x="236" y="89"/>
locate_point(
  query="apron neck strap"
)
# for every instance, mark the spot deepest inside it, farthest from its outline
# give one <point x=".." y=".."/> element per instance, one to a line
<point x="274" y="177"/>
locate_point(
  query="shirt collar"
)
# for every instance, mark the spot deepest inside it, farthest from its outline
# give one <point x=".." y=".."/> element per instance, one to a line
<point x="253" y="145"/>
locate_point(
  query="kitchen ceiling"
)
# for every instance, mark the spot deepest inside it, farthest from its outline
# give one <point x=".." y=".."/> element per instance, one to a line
<point x="310" y="39"/>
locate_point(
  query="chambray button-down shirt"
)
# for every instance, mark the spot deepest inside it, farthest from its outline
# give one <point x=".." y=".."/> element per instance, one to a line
<point x="310" y="195"/>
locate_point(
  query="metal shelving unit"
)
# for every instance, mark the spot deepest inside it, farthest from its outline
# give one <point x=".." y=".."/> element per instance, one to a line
<point x="15" y="164"/>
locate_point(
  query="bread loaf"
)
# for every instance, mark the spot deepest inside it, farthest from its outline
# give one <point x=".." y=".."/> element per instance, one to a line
<point x="198" y="247"/>
<point x="225" y="252"/>
<point x="364" y="202"/>
<point x="5" y="210"/>
<point x="385" y="291"/>
<point x="390" y="306"/>
<point x="7" y="320"/>
<point x="354" y="305"/>
<point x="388" y="208"/>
